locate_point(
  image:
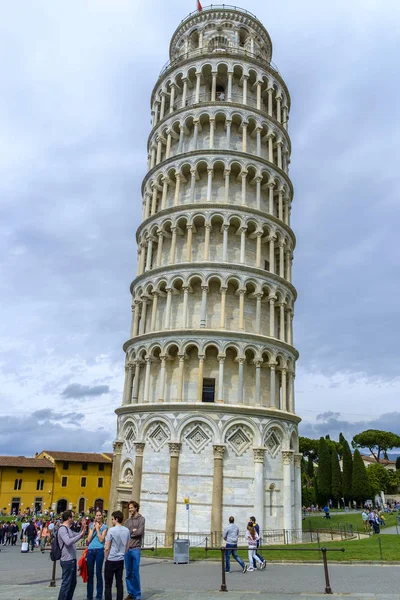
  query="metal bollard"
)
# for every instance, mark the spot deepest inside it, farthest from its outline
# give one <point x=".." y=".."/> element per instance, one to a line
<point x="53" y="575"/>
<point x="223" y="580"/>
<point x="328" y="589"/>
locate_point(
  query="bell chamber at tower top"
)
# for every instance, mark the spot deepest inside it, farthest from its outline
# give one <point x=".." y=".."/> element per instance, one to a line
<point x="221" y="29"/>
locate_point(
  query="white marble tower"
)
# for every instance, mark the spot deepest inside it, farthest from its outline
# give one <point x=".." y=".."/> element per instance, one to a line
<point x="208" y="408"/>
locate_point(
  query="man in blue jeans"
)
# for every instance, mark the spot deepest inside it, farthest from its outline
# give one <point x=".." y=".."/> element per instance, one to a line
<point x="135" y="523"/>
<point x="67" y="541"/>
<point x="231" y="536"/>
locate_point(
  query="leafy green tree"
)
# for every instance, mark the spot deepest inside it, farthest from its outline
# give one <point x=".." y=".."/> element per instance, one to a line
<point x="324" y="471"/>
<point x="310" y="468"/>
<point x="336" y="478"/>
<point x="394" y="481"/>
<point x="360" y="488"/>
<point x="347" y="474"/>
<point x="308" y="447"/>
<point x="377" y="442"/>
<point x="378" y="479"/>
<point x="398" y="463"/>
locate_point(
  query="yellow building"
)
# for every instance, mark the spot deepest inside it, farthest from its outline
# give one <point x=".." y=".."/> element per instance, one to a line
<point x="55" y="481"/>
<point x="81" y="480"/>
<point x="25" y="483"/>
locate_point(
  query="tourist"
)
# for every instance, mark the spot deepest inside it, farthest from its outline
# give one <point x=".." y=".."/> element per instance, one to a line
<point x="251" y="538"/>
<point x="231" y="536"/>
<point x="364" y="516"/>
<point x="257" y="528"/>
<point x="135" y="523"/>
<point x="116" y="546"/>
<point x="44" y="537"/>
<point x="31" y="533"/>
<point x="15" y="532"/>
<point x="95" y="556"/>
<point x="67" y="542"/>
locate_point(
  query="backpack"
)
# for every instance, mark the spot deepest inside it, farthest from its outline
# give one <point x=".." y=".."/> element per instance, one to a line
<point x="55" y="551"/>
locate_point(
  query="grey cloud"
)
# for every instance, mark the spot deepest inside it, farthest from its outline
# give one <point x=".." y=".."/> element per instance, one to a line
<point x="76" y="390"/>
<point x="332" y="424"/>
<point x="47" y="414"/>
<point x="26" y="435"/>
<point x="327" y="415"/>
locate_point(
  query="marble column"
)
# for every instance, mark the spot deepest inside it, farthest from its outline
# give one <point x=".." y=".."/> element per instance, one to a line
<point x="137" y="475"/>
<point x="203" y="316"/>
<point x="297" y="496"/>
<point x="115" y="475"/>
<point x="241" y="362"/>
<point x="189" y="242"/>
<point x="200" y="378"/>
<point x="161" y="392"/>
<point x="217" y="495"/>
<point x="128" y="384"/>
<point x="174" y="451"/>
<point x="180" y="377"/>
<point x="287" y="458"/>
<point x="259" y="454"/>
<point x="136" y="381"/>
<point x="220" y="397"/>
<point x="223" y="291"/>
<point x="272" y="385"/>
<point x="258" y="364"/>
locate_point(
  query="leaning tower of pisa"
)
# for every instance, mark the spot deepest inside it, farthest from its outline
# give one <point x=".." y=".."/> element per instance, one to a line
<point x="208" y="408"/>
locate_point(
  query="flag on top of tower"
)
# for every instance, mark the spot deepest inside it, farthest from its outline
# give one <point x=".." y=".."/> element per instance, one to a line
<point x="199" y="6"/>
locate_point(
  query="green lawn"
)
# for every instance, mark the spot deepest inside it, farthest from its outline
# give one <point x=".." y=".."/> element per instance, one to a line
<point x="355" y="550"/>
<point x="353" y="518"/>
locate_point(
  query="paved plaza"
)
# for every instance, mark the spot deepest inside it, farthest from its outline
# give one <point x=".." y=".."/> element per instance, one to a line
<point x="27" y="576"/>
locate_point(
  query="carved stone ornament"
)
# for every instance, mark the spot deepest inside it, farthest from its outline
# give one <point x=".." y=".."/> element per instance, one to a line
<point x="219" y="451"/>
<point x="287" y="457"/>
<point x="139" y="448"/>
<point x="117" y="447"/>
<point x="158" y="435"/>
<point x="239" y="439"/>
<point x="259" y="454"/>
<point x="197" y="436"/>
<point x="297" y="460"/>
<point x="174" y="448"/>
<point x="273" y="442"/>
<point x="130" y="436"/>
<point x="128" y="477"/>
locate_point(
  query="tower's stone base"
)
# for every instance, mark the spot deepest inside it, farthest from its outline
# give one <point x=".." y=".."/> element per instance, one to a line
<point x="229" y="460"/>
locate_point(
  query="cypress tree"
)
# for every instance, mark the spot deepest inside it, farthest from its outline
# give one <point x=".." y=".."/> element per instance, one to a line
<point x="336" y="478"/>
<point x="360" y="487"/>
<point x="310" y="468"/>
<point x="324" y="472"/>
<point x="398" y="463"/>
<point x="347" y="476"/>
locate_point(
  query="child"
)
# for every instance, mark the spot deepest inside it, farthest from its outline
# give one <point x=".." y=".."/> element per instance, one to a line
<point x="251" y="538"/>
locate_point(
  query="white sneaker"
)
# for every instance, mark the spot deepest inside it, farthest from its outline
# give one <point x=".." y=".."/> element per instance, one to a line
<point x="250" y="568"/>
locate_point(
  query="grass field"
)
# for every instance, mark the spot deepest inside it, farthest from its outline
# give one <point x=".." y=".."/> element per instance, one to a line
<point x="355" y="550"/>
<point x="353" y="518"/>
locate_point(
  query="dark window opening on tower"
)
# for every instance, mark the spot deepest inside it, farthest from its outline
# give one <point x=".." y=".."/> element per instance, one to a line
<point x="208" y="390"/>
<point x="266" y="265"/>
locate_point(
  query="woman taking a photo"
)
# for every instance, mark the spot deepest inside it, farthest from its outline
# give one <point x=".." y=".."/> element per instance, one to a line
<point x="95" y="556"/>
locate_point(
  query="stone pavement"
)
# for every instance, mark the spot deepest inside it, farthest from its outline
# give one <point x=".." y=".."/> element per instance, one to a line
<point x="27" y="576"/>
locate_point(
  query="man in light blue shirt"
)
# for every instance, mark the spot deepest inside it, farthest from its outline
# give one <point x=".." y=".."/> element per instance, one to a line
<point x="117" y="541"/>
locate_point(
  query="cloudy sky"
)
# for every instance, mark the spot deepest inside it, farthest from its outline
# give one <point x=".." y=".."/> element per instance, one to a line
<point x="75" y="83"/>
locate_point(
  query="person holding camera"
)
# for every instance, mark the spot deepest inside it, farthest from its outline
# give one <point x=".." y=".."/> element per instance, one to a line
<point x="135" y="523"/>
<point x="67" y="542"/>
